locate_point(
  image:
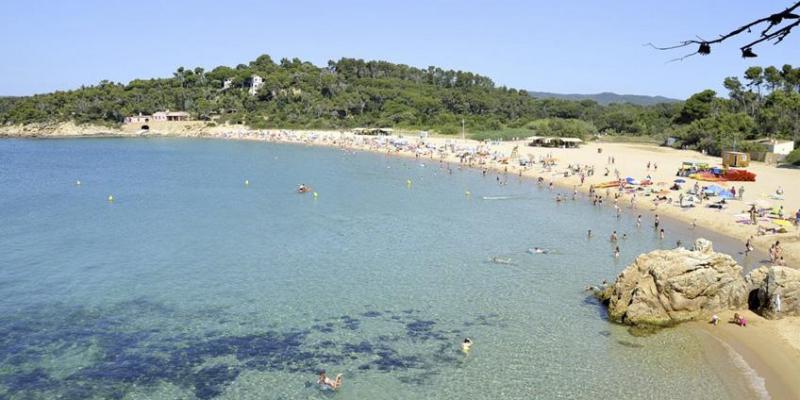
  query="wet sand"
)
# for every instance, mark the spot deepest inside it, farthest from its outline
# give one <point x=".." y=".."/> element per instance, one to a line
<point x="770" y="351"/>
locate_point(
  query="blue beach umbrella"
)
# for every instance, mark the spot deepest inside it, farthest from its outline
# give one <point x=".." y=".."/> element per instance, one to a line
<point x="679" y="180"/>
<point x="713" y="189"/>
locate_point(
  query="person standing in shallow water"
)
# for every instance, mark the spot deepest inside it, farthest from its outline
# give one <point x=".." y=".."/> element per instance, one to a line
<point x="331" y="383"/>
<point x="656" y="222"/>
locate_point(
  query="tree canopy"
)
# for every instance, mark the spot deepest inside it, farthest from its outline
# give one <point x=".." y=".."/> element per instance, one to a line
<point x="763" y="102"/>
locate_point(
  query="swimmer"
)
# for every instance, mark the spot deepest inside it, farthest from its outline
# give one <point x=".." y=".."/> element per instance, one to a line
<point x="613" y="237"/>
<point x="537" y="250"/>
<point x="589" y="235"/>
<point x="504" y="261"/>
<point x="325" y="381"/>
<point x="616" y="252"/>
<point x="466" y="345"/>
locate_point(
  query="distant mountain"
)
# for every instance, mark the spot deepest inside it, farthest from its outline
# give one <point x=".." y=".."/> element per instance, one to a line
<point x="607" y="98"/>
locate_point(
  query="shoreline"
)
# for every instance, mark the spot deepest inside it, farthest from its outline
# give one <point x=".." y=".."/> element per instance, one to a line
<point x="764" y="346"/>
<point x="712" y="223"/>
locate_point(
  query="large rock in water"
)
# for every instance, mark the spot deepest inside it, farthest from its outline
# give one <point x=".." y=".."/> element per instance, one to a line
<point x="767" y="285"/>
<point x="665" y="287"/>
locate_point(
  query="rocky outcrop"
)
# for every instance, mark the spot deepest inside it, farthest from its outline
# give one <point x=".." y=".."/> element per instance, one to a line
<point x="665" y="287"/>
<point x="774" y="291"/>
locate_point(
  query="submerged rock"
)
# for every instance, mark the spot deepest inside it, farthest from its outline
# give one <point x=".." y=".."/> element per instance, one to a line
<point x="665" y="287"/>
<point x="774" y="291"/>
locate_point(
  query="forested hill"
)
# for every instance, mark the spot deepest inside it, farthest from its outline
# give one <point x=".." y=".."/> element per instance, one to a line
<point x="606" y="98"/>
<point x="341" y="94"/>
<point x="351" y="93"/>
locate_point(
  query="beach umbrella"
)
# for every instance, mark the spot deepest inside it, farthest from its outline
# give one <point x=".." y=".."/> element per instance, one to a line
<point x="679" y="180"/>
<point x="713" y="189"/>
<point x="726" y="194"/>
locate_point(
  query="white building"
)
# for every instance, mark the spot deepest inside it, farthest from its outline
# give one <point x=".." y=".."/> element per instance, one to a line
<point x="256" y="82"/>
<point x="137" y="119"/>
<point x="171" y="116"/>
<point x="782" y="147"/>
<point x="226" y="84"/>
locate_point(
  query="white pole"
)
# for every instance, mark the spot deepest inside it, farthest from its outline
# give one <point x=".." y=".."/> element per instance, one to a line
<point x="462" y="130"/>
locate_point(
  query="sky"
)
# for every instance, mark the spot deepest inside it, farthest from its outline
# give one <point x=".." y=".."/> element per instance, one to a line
<point x="557" y="46"/>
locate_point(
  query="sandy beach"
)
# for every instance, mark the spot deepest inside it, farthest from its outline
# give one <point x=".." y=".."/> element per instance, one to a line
<point x="771" y="348"/>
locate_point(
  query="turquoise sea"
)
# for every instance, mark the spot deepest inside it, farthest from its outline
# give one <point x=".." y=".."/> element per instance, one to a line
<point x="191" y="284"/>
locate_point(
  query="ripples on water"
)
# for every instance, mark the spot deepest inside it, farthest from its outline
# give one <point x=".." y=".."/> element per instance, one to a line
<point x="193" y="285"/>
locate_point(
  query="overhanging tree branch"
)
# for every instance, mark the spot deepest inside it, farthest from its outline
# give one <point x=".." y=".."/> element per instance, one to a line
<point x="776" y="30"/>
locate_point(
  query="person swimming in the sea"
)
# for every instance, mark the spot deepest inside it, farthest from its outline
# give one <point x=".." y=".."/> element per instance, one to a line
<point x="499" y="260"/>
<point x="331" y="383"/>
<point x="466" y="345"/>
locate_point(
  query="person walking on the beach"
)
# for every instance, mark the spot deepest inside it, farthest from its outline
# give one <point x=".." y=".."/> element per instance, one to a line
<point x="741" y="192"/>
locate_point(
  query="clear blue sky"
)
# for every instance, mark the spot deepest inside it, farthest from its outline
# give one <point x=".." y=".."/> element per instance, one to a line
<point x="560" y="46"/>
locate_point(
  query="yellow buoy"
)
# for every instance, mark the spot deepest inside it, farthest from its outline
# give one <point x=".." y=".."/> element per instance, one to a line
<point x="246" y="182"/>
<point x="78" y="183"/>
<point x="110" y="198"/>
<point x="316" y="195"/>
<point x="467" y="193"/>
<point x="408" y="182"/>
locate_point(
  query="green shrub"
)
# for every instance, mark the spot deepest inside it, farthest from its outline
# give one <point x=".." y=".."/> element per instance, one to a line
<point x="793" y="157"/>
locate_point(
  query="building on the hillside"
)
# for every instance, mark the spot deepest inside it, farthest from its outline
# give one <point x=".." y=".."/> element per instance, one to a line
<point x="138" y="119"/>
<point x="227" y="83"/>
<point x="780" y="147"/>
<point x="256" y="82"/>
<point x="171" y="116"/>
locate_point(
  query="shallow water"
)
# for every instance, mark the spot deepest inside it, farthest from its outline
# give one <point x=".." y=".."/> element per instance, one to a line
<point x="192" y="284"/>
